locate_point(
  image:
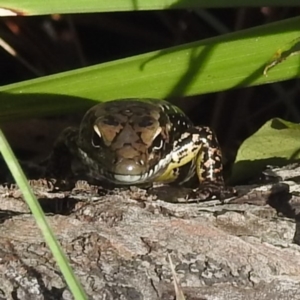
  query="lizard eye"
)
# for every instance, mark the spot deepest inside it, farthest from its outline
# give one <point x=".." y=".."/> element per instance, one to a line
<point x="96" y="138"/>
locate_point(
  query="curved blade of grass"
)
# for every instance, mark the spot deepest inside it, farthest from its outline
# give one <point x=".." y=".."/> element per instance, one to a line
<point x="229" y="61"/>
<point x="40" y="219"/>
<point x="36" y="7"/>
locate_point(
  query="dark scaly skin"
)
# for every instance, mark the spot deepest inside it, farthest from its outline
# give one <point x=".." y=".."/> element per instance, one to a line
<point x="141" y="141"/>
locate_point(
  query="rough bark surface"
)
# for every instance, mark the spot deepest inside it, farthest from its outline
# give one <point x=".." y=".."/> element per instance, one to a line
<point x="118" y="245"/>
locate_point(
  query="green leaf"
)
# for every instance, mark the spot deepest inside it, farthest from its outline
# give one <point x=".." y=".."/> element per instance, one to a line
<point x="283" y="54"/>
<point x="34" y="7"/>
<point x="276" y="143"/>
<point x="229" y="61"/>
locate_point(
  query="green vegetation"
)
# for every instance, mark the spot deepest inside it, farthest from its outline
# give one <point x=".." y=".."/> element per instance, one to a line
<point x="216" y="64"/>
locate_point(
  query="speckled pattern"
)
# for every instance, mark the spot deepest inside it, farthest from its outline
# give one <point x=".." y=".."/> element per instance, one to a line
<point x="141" y="141"/>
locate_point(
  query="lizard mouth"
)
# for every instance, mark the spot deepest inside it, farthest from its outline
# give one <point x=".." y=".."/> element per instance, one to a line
<point x="138" y="178"/>
<point x="99" y="171"/>
<point x="128" y="179"/>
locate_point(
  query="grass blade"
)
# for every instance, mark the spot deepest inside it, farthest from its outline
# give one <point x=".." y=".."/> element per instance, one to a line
<point x="34" y="7"/>
<point x="40" y="219"/>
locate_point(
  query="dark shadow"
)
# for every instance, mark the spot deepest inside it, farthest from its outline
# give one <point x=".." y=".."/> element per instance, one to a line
<point x="195" y="63"/>
<point x="196" y="58"/>
<point x="61" y="206"/>
<point x="296" y="238"/>
<point x="252" y="170"/>
<point x="21" y="106"/>
<point x="277" y="124"/>
<point x="48" y="292"/>
<point x="135" y="5"/>
<point x="280" y="57"/>
<point x="8" y="214"/>
<point x="280" y="201"/>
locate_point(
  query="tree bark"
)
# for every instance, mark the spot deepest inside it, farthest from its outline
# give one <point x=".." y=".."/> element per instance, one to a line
<point x="118" y="245"/>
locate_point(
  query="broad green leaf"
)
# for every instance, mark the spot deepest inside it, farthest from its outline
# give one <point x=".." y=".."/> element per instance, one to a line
<point x="276" y="143"/>
<point x="36" y="7"/>
<point x="215" y="64"/>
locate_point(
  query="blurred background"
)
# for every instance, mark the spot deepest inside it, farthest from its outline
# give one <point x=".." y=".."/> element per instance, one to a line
<point x="51" y="44"/>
